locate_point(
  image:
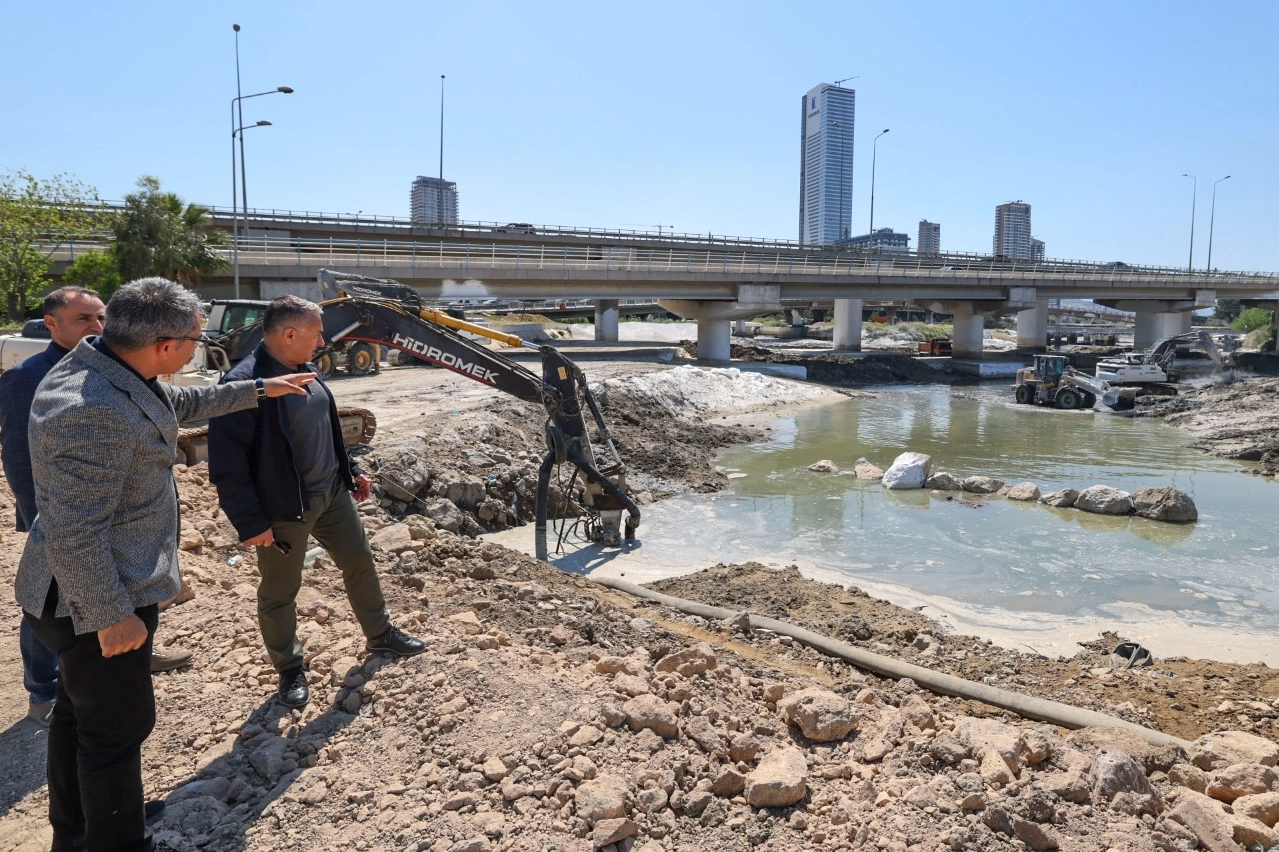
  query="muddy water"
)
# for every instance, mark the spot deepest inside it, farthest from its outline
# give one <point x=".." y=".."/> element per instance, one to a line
<point x="989" y="560"/>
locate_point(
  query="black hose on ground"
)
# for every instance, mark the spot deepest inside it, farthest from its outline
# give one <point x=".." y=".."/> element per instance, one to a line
<point x="1029" y="707"/>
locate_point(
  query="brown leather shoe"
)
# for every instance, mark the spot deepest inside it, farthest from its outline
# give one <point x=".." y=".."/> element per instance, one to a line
<point x="169" y="659"/>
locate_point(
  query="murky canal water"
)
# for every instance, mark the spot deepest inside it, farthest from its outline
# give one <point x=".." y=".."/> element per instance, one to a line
<point x="1025" y="561"/>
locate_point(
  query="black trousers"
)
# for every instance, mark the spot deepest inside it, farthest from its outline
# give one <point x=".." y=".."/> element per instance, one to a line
<point x="105" y="710"/>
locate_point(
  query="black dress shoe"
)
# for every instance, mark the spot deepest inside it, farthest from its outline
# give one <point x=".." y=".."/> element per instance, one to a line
<point x="396" y="641"/>
<point x="293" y="689"/>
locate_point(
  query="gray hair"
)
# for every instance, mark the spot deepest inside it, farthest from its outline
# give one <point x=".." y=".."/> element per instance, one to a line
<point x="148" y="309"/>
<point x="288" y="309"/>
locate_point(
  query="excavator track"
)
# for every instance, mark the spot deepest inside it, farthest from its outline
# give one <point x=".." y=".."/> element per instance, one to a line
<point x="359" y="425"/>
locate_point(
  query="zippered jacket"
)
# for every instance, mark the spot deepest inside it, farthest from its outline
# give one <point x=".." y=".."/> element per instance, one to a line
<point x="251" y="459"/>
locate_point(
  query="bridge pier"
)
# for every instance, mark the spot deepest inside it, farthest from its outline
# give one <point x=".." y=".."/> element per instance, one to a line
<point x="968" y="317"/>
<point x="1032" y="326"/>
<point x="606" y="318"/>
<point x="1147" y="328"/>
<point x="966" y="337"/>
<point x="1160" y="318"/>
<point x="1178" y="323"/>
<point x="714" y="329"/>
<point x="848" y="325"/>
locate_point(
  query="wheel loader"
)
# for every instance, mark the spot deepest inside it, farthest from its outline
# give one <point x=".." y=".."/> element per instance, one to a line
<point x="1051" y="381"/>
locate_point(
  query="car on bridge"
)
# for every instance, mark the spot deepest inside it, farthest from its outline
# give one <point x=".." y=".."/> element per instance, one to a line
<point x="515" y="228"/>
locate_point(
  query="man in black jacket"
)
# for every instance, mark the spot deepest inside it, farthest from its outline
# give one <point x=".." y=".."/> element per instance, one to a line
<point x="70" y="313"/>
<point x="283" y="474"/>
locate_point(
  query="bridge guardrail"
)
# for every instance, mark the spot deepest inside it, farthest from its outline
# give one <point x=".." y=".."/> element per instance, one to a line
<point x="387" y="253"/>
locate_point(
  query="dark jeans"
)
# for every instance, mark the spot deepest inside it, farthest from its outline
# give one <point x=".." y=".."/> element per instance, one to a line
<point x="105" y="709"/>
<point x="39" y="666"/>
<point x="335" y="522"/>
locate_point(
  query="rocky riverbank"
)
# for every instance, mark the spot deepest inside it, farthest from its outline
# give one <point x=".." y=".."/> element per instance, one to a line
<point x="1236" y="419"/>
<point x="552" y="714"/>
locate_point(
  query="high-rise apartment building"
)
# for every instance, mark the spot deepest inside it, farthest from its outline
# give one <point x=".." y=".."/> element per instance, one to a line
<point x="1036" y="250"/>
<point x="929" y="241"/>
<point x="826" y="164"/>
<point x="1012" y="231"/>
<point x="433" y="201"/>
<point x="885" y="239"/>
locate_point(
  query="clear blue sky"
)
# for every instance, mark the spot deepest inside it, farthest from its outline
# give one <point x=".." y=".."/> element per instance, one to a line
<point x="680" y="114"/>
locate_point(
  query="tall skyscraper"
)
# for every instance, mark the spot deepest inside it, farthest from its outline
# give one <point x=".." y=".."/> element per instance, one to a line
<point x="826" y="164"/>
<point x="1012" y="230"/>
<point x="929" y="241"/>
<point x="433" y="201"/>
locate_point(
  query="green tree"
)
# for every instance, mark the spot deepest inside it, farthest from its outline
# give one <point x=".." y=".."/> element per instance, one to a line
<point x="1227" y="310"/>
<point x="97" y="270"/>
<point x="36" y="218"/>
<point x="1251" y="320"/>
<point x="158" y="234"/>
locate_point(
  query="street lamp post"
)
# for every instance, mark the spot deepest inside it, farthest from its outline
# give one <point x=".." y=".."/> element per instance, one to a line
<point x="439" y="189"/>
<point x="873" y="146"/>
<point x="1213" y="216"/>
<point x="235" y="230"/>
<point x="237" y="127"/>
<point x="1194" y="195"/>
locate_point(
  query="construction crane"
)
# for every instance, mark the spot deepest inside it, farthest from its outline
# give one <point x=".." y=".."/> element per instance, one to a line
<point x="846" y="79"/>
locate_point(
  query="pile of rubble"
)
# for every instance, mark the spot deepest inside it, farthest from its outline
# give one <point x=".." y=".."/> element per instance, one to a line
<point x="549" y="714"/>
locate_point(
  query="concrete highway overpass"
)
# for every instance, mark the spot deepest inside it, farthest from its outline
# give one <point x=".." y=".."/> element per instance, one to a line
<point x="716" y="280"/>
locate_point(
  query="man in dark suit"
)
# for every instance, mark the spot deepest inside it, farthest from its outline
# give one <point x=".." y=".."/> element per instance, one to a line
<point x="283" y="474"/>
<point x="70" y="313"/>
<point x="102" y="553"/>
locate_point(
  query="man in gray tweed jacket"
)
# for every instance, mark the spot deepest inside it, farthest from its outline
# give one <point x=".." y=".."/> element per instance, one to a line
<point x="102" y="552"/>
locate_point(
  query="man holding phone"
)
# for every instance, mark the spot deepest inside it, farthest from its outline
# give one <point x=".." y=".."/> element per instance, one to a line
<point x="283" y="474"/>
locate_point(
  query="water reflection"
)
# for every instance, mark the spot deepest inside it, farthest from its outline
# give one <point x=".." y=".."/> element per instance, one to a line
<point x="1025" y="557"/>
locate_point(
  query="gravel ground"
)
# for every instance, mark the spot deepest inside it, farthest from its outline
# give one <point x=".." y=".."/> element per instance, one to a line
<point x="550" y="713"/>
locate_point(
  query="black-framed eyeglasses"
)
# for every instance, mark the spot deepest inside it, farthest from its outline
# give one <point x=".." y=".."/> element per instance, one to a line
<point x="199" y="341"/>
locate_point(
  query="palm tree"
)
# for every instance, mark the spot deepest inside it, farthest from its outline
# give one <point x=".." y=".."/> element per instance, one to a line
<point x="158" y="234"/>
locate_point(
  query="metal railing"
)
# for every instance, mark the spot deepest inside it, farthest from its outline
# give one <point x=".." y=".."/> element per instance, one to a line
<point x="259" y="215"/>
<point x="677" y="261"/>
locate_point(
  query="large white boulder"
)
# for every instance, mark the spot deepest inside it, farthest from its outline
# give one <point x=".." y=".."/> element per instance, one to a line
<point x="909" y="470"/>
<point x="1104" y="500"/>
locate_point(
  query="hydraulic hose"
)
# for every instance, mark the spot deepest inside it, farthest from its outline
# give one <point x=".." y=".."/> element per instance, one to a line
<point x="543" y="499"/>
<point x="1042" y="709"/>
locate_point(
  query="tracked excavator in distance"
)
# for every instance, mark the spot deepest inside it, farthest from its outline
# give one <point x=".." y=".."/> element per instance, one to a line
<point x="386" y="313"/>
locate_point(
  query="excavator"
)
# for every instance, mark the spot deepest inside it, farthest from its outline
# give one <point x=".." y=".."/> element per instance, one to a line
<point x="359" y="310"/>
<point x="1157" y="365"/>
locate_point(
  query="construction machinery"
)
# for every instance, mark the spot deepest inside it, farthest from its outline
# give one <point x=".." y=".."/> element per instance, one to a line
<point x="940" y="346"/>
<point x="205" y="368"/>
<point x="1051" y="381"/>
<point x="234" y="325"/>
<point x="1158" y="364"/>
<point x="373" y="312"/>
